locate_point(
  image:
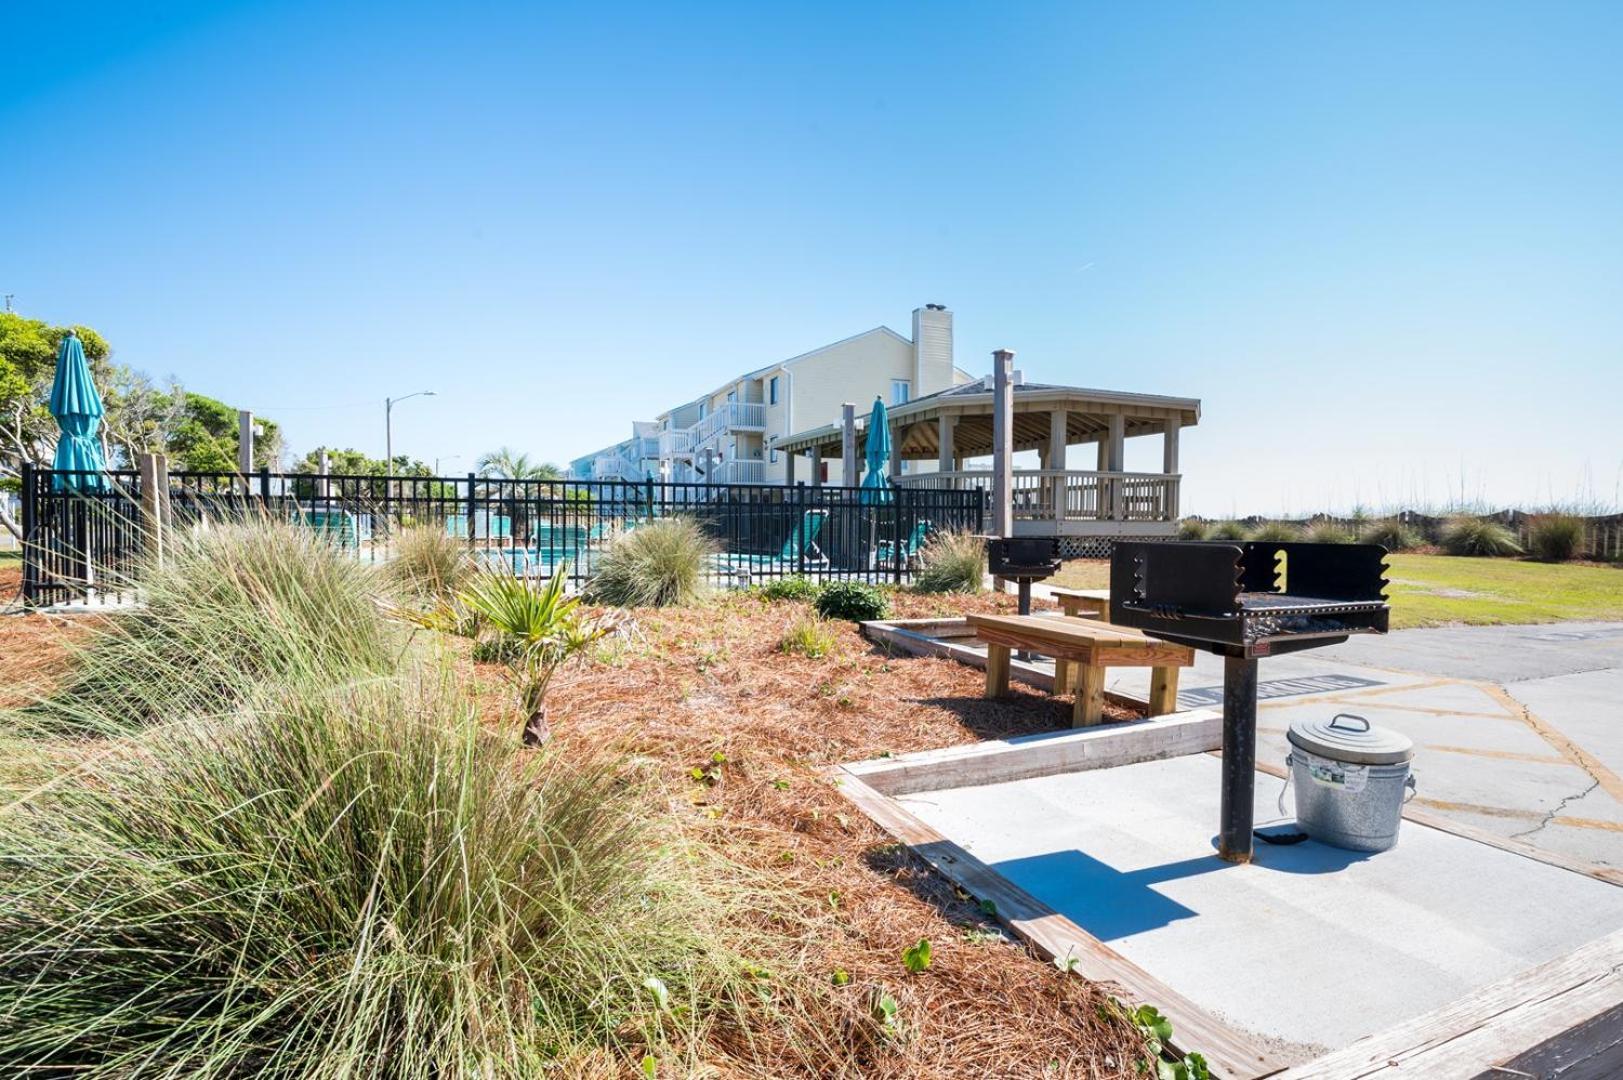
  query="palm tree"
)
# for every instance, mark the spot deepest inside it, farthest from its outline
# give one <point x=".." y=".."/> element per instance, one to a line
<point x="507" y="464"/>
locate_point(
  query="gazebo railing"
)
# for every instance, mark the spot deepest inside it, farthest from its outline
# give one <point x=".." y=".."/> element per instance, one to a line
<point x="1068" y="494"/>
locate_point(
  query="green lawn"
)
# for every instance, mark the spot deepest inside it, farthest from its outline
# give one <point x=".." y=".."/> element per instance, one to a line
<point x="1435" y="590"/>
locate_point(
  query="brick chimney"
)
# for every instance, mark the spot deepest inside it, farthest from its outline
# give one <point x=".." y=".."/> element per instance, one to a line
<point x="932" y="349"/>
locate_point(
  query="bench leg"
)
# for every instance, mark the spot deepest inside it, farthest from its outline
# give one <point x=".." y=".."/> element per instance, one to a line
<point x="997" y="670"/>
<point x="1062" y="677"/>
<point x="1163" y="691"/>
<point x="1089" y="707"/>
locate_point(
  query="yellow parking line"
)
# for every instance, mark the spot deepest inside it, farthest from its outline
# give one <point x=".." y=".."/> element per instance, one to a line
<point x="1519" y="815"/>
<point x="1609" y="781"/>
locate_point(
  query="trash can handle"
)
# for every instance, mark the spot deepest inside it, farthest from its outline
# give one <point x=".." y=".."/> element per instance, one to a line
<point x="1348" y="716"/>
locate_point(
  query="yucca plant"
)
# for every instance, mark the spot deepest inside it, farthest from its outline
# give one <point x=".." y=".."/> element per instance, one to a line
<point x="1391" y="534"/>
<point x="954" y="561"/>
<point x="534" y="631"/>
<point x="1277" y="532"/>
<point x="657" y="564"/>
<point x="1328" y="532"/>
<point x="229" y="610"/>
<point x="356" y="881"/>
<point x="428" y="566"/>
<point x="1193" y="529"/>
<point x="1477" y="536"/>
<point x="1556" y="537"/>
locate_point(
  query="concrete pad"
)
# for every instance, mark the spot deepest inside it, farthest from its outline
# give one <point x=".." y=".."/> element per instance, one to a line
<point x="1586" y="707"/>
<point x="1312" y="945"/>
<point x="1503" y="654"/>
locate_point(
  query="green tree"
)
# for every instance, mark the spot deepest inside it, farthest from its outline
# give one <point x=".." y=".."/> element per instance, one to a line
<point x="351" y="462"/>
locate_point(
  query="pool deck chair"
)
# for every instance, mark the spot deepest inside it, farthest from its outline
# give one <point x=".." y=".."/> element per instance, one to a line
<point x="884" y="552"/>
<point x="800" y="546"/>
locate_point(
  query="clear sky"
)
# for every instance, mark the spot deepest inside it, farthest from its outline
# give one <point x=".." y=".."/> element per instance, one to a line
<point x="1382" y="242"/>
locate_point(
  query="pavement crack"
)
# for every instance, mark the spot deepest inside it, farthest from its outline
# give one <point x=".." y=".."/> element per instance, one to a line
<point x="1560" y="806"/>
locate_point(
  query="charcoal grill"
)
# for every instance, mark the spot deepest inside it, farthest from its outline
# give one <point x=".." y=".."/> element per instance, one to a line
<point x="1233" y="600"/>
<point x="1022" y="560"/>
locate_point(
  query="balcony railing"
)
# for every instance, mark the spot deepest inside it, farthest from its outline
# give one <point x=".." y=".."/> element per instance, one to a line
<point x="739" y="472"/>
<point x="1066" y="495"/>
<point x="732" y="416"/>
<point x="676" y="442"/>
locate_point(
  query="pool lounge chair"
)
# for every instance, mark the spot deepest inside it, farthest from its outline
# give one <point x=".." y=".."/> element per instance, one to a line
<point x="800" y="547"/>
<point x="885" y="553"/>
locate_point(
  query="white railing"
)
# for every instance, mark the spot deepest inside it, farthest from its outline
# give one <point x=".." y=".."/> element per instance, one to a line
<point x="1067" y="495"/>
<point x="675" y="442"/>
<point x="739" y="472"/>
<point x="731" y="416"/>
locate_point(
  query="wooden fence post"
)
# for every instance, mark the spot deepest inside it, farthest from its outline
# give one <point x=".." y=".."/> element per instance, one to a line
<point x="154" y="481"/>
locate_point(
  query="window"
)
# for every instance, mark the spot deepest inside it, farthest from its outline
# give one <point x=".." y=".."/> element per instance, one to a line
<point x="772" y="390"/>
<point x="732" y="396"/>
<point x="901" y="390"/>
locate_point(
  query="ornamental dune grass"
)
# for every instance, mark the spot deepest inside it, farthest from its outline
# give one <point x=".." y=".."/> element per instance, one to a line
<point x="954" y="561"/>
<point x="230" y="609"/>
<point x="358" y="881"/>
<point x="428" y="566"/>
<point x="1465" y="535"/>
<point x="657" y="564"/>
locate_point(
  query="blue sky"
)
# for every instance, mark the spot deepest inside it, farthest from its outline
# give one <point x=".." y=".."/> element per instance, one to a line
<point x="1380" y="241"/>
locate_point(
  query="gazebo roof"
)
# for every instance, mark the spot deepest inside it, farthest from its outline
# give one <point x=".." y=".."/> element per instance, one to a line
<point x="916" y="432"/>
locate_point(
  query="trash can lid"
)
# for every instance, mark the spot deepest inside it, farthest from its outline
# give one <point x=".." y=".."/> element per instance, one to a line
<point x="1349" y="738"/>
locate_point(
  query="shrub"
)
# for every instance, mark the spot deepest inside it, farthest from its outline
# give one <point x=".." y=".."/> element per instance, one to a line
<point x="852" y="601"/>
<point x="1328" y="532"/>
<point x="1227" y="530"/>
<point x="789" y="588"/>
<point x="428" y="566"/>
<point x="1193" y="529"/>
<point x="1556" y="537"/>
<point x="1276" y="532"/>
<point x="809" y="637"/>
<point x="230" y="610"/>
<point x="657" y="564"/>
<point x="355" y="882"/>
<point x="534" y="631"/>
<point x="1476" y="536"/>
<point x="1391" y="534"/>
<point x="954" y="561"/>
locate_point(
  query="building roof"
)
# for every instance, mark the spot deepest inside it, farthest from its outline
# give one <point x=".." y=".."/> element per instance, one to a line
<point x="914" y="427"/>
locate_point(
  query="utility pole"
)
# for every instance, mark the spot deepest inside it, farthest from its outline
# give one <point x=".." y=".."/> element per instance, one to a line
<point x="10" y="296"/>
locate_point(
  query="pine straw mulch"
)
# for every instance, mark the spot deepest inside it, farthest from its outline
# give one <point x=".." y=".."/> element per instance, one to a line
<point x="707" y="689"/>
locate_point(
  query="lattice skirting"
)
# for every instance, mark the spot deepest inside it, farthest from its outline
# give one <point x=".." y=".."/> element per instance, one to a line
<point x="1095" y="547"/>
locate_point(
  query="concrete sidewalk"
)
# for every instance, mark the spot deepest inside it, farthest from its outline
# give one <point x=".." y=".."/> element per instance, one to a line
<point x="1518" y="729"/>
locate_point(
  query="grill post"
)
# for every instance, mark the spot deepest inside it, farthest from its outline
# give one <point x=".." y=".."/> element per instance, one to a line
<point x="1239" y="758"/>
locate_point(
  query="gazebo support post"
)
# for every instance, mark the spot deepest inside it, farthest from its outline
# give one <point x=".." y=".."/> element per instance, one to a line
<point x="1002" y="443"/>
<point x="848" y="444"/>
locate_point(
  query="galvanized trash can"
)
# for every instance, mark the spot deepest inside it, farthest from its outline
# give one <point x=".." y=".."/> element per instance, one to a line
<point x="1351" y="778"/>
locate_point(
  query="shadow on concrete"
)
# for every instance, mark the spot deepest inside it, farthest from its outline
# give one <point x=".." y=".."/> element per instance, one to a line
<point x="1110" y="903"/>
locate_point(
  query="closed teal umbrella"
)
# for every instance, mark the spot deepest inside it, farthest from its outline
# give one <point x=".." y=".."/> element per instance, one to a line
<point x="78" y="411"/>
<point x="876" y="481"/>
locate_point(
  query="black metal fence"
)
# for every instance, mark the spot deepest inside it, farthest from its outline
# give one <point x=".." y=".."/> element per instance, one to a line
<point x="78" y="540"/>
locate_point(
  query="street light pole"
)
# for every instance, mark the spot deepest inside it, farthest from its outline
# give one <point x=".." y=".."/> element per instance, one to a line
<point x="388" y="428"/>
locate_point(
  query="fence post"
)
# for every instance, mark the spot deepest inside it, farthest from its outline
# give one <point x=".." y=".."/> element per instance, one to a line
<point x="264" y="486"/>
<point x="471" y="499"/>
<point x="153" y="469"/>
<point x="897" y="555"/>
<point x="30" y="523"/>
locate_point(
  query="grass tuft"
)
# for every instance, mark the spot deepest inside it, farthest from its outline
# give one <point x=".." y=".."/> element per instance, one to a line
<point x="231" y="609"/>
<point x="1276" y="532"/>
<point x="1476" y="536"/>
<point x="810" y="636"/>
<point x="1391" y="534"/>
<point x="954" y="562"/>
<point x="657" y="564"/>
<point x="428" y="566"/>
<point x="1328" y="532"/>
<point x="1193" y="529"/>
<point x="349" y="882"/>
<point x="1556" y="537"/>
<point x="1227" y="530"/>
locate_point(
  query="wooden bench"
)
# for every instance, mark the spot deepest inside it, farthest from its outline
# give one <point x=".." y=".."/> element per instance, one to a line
<point x="1084" y="603"/>
<point x="1092" y="647"/>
